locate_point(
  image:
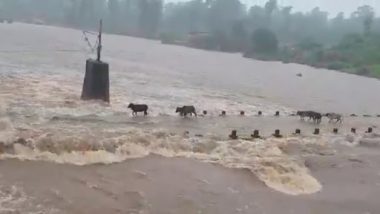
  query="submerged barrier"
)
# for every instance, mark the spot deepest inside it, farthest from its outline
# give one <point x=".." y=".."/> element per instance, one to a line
<point x="233" y="135"/>
<point x="256" y="134"/>
<point x="369" y="130"/>
<point x="278" y="114"/>
<point x="297" y="132"/>
<point x="316" y="131"/>
<point x="277" y="133"/>
<point x="302" y="114"/>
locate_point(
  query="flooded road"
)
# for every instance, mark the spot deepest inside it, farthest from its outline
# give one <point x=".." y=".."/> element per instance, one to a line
<point x="63" y="155"/>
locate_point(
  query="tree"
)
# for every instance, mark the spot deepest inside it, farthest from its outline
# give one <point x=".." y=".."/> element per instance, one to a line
<point x="366" y="14"/>
<point x="222" y="14"/>
<point x="150" y="14"/>
<point x="283" y="22"/>
<point x="264" y="41"/>
<point x="286" y="13"/>
<point x="257" y="16"/>
<point x="238" y="35"/>
<point x="129" y="16"/>
<point x="71" y="11"/>
<point x="318" y="24"/>
<point x="113" y="8"/>
<point x="185" y="17"/>
<point x="270" y="6"/>
<point x="113" y="16"/>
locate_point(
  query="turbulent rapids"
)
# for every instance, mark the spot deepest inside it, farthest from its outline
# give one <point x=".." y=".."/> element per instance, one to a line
<point x="43" y="119"/>
<point x="71" y="143"/>
<point x="113" y="138"/>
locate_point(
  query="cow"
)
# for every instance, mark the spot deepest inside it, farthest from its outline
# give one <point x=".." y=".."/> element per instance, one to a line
<point x="334" y="116"/>
<point x="185" y="110"/>
<point x="315" y="116"/>
<point x="138" y="108"/>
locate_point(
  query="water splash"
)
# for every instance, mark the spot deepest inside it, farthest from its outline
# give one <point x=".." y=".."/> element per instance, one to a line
<point x="13" y="199"/>
<point x="264" y="158"/>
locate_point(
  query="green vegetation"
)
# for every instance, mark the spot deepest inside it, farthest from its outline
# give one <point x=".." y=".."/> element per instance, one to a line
<point x="264" y="45"/>
<point x="350" y="43"/>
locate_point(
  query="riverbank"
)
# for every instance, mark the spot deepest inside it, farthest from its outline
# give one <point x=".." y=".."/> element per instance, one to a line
<point x="354" y="53"/>
<point x="368" y="71"/>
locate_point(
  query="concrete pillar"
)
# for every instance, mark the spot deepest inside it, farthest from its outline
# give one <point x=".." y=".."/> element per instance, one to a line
<point x="96" y="81"/>
<point x="233" y="135"/>
<point x="316" y="131"/>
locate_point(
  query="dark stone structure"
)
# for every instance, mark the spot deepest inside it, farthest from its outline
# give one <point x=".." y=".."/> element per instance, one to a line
<point x="256" y="134"/>
<point x="316" y="131"/>
<point x="96" y="81"/>
<point x="369" y="130"/>
<point x="277" y="134"/>
<point x="233" y="135"/>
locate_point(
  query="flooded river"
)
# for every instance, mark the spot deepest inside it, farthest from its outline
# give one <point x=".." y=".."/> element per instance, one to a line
<point x="63" y="155"/>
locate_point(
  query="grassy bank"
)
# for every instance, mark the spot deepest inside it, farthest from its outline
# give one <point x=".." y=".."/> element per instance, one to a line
<point x="355" y="54"/>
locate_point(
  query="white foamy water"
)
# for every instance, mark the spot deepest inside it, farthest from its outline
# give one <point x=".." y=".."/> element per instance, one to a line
<point x="13" y="199"/>
<point x="42" y="117"/>
<point x="264" y="158"/>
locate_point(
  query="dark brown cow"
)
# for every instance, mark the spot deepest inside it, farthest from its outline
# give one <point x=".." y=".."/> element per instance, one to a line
<point x="138" y="108"/>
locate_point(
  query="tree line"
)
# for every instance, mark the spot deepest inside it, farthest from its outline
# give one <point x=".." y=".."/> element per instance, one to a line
<point x="229" y="17"/>
<point x="346" y="42"/>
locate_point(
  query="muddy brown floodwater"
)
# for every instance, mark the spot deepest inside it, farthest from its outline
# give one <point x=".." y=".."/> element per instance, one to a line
<point x="59" y="154"/>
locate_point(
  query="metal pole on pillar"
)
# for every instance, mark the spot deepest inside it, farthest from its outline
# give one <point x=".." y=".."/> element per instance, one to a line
<point x="96" y="81"/>
<point x="99" y="49"/>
